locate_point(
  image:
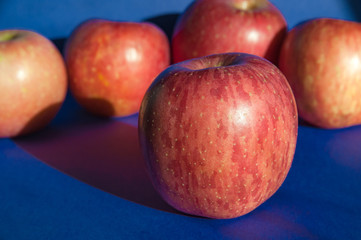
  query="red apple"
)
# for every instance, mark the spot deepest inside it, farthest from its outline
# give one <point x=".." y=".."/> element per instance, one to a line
<point x="111" y="64"/>
<point x="219" y="26"/>
<point x="321" y="59"/>
<point x="218" y="133"/>
<point x="33" y="82"/>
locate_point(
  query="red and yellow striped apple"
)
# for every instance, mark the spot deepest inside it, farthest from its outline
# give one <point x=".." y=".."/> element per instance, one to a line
<point x="219" y="26"/>
<point x="321" y="59"/>
<point x="218" y="133"/>
<point x="111" y="64"/>
<point x="33" y="82"/>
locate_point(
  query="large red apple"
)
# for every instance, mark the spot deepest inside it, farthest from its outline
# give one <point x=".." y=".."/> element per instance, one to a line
<point x="111" y="64"/>
<point x="33" y="82"/>
<point x="321" y="59"/>
<point x="218" y="133"/>
<point x="219" y="26"/>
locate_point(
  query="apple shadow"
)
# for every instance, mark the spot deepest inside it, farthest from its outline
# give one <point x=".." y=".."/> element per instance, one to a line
<point x="304" y="123"/>
<point x="41" y="119"/>
<point x="102" y="153"/>
<point x="274" y="48"/>
<point x="166" y="22"/>
<point x="99" y="106"/>
<point x="59" y="43"/>
<point x="355" y="8"/>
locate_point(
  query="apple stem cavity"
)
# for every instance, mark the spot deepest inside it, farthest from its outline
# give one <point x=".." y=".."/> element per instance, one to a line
<point x="8" y="36"/>
<point x="211" y="61"/>
<point x="249" y="5"/>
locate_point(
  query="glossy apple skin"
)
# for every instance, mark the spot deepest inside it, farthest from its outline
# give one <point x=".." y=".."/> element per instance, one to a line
<point x="220" y="26"/>
<point x="218" y="134"/>
<point x="33" y="82"/>
<point x="111" y="64"/>
<point x="321" y="59"/>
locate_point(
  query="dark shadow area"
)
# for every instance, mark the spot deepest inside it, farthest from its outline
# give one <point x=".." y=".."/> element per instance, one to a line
<point x="355" y="7"/>
<point x="304" y="123"/>
<point x="40" y="120"/>
<point x="97" y="106"/>
<point x="274" y="48"/>
<point x="103" y="154"/>
<point x="59" y="43"/>
<point x="166" y="22"/>
<point x="71" y="113"/>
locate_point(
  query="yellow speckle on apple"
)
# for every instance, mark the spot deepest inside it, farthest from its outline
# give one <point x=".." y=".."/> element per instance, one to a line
<point x="103" y="79"/>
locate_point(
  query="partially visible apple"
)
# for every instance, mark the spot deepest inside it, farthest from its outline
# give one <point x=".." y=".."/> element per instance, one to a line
<point x="321" y="59"/>
<point x="33" y="82"/>
<point x="219" y="26"/>
<point x="111" y="64"/>
<point x="218" y="133"/>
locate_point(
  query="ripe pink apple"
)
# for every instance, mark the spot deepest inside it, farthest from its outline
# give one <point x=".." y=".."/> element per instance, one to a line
<point x="219" y="26"/>
<point x="33" y="82"/>
<point x="321" y="59"/>
<point x="218" y="133"/>
<point x="111" y="64"/>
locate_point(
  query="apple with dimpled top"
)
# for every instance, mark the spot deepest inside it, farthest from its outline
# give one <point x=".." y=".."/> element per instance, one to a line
<point x="219" y="26"/>
<point x="218" y="133"/>
<point x="33" y="82"/>
<point x="111" y="64"/>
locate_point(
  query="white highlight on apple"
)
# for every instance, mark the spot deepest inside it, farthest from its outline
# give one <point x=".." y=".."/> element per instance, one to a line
<point x="244" y="5"/>
<point x="253" y="36"/>
<point x="20" y="74"/>
<point x="241" y="115"/>
<point x="132" y="55"/>
<point x="355" y="62"/>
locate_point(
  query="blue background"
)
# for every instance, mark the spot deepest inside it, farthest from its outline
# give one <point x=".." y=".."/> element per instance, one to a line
<point x="83" y="177"/>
